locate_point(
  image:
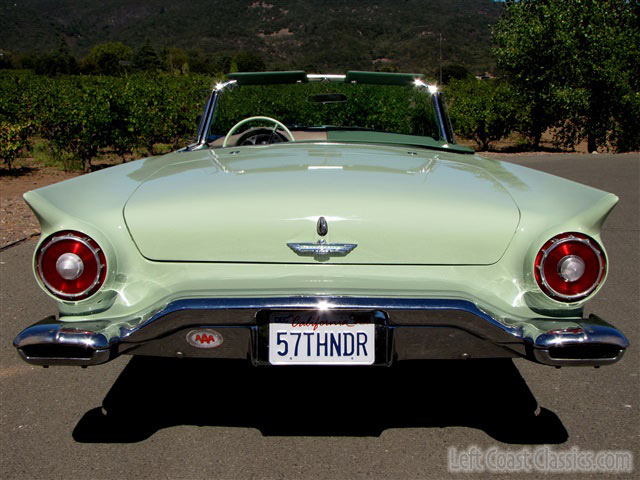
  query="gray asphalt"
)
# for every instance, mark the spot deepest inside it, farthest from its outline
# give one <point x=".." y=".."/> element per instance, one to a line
<point x="182" y="419"/>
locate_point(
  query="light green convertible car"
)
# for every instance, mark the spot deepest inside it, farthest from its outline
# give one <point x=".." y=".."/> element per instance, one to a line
<point x="321" y="219"/>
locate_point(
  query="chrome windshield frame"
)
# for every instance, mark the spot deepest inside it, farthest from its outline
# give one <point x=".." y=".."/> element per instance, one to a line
<point x="208" y="116"/>
<point x="437" y="97"/>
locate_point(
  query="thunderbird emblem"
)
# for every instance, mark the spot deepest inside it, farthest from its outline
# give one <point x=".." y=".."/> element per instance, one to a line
<point x="321" y="248"/>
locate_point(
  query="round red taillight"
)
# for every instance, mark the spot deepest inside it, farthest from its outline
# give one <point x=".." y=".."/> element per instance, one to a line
<point x="71" y="265"/>
<point x="570" y="266"/>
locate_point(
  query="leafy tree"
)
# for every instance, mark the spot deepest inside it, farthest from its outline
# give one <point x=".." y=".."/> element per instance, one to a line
<point x="453" y="72"/>
<point x="220" y="63"/>
<point x="386" y="67"/>
<point x="484" y="110"/>
<point x="59" y="62"/>
<point x="108" y="57"/>
<point x="576" y="66"/>
<point x="6" y="60"/>
<point x="82" y="117"/>
<point x="87" y="67"/>
<point x="14" y="139"/>
<point x="146" y="58"/>
<point x="75" y="119"/>
<point x="248" y="62"/>
<point x="176" y="60"/>
<point x="26" y="61"/>
<point x="123" y="133"/>
<point x="199" y="61"/>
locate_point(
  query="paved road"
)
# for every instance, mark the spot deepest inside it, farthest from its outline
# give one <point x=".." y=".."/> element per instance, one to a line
<point x="182" y="419"/>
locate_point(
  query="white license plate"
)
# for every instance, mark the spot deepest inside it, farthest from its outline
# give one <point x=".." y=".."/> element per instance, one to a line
<point x="311" y="339"/>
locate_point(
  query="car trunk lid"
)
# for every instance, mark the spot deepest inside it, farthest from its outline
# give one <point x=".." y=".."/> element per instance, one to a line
<point x="249" y="204"/>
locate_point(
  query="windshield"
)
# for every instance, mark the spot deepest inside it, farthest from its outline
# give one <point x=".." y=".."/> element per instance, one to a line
<point x="325" y="111"/>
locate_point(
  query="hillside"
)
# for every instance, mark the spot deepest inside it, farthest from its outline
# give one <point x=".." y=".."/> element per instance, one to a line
<point x="313" y="34"/>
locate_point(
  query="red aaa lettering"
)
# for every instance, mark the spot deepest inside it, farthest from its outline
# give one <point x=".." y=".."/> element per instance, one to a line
<point x="205" y="338"/>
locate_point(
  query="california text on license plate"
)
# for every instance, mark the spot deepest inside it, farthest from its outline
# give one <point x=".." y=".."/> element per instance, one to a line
<point x="312" y="338"/>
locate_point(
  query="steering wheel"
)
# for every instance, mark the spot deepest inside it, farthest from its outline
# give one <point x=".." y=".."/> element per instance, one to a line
<point x="260" y="136"/>
<point x="246" y="120"/>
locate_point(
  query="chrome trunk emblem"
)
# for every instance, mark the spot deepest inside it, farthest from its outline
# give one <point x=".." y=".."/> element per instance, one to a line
<point x="322" y="248"/>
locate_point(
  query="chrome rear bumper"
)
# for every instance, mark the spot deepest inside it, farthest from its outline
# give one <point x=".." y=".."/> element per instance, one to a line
<point x="50" y="342"/>
<point x="412" y="329"/>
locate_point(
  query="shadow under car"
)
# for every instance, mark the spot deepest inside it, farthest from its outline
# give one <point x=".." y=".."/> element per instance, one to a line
<point x="155" y="393"/>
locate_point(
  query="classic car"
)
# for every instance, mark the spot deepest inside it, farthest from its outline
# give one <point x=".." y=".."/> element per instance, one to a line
<point x="321" y="219"/>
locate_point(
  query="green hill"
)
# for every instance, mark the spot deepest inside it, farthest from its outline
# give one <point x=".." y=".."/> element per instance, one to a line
<point x="314" y="34"/>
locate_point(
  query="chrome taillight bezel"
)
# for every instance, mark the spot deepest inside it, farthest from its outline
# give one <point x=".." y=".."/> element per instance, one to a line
<point x="549" y="247"/>
<point x="91" y="245"/>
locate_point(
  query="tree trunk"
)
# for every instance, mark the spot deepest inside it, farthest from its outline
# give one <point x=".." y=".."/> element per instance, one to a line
<point x="483" y="143"/>
<point x="591" y="143"/>
<point x="537" y="137"/>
